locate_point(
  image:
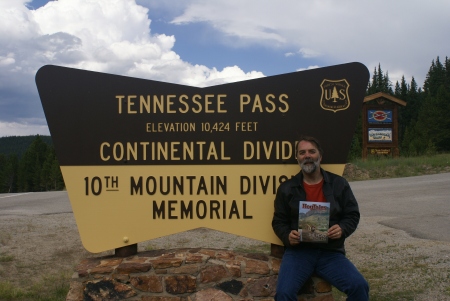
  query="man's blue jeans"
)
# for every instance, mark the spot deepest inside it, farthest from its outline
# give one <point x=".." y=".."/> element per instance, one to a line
<point x="298" y="265"/>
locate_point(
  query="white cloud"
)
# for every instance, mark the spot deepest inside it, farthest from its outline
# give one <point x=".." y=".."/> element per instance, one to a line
<point x="404" y="36"/>
<point x="7" y="60"/>
<point x="309" y="68"/>
<point x="114" y="36"/>
<point x="22" y="129"/>
<point x="237" y="19"/>
<point x="111" y="36"/>
<point x="308" y="53"/>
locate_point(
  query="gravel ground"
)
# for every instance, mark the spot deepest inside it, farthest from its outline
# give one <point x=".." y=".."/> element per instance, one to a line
<point x="397" y="266"/>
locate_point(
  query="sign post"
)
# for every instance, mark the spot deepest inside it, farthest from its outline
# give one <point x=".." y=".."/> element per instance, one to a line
<point x="143" y="159"/>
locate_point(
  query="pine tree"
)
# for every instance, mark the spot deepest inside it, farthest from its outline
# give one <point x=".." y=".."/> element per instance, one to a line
<point x="380" y="79"/>
<point x="415" y="100"/>
<point x="10" y="174"/>
<point x="2" y="173"/>
<point x="428" y="129"/>
<point x="356" y="145"/>
<point x="56" y="176"/>
<point x="447" y="73"/>
<point x="380" y="82"/>
<point x="435" y="78"/>
<point x="373" y="86"/>
<point x="51" y="177"/>
<point x="442" y="134"/>
<point x="387" y="85"/>
<point x="432" y="130"/>
<point x="402" y="91"/>
<point x="397" y="90"/>
<point x="30" y="166"/>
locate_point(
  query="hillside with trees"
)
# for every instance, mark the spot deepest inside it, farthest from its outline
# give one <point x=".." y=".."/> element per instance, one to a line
<point x="29" y="164"/>
<point x="424" y="123"/>
<point x="19" y="144"/>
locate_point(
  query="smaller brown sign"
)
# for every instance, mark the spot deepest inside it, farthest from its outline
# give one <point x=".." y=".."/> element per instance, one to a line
<point x="380" y="151"/>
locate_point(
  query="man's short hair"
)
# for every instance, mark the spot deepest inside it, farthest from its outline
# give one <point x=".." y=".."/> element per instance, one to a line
<point x="311" y="140"/>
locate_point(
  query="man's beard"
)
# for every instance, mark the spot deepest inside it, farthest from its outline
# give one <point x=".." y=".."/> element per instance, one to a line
<point x="310" y="168"/>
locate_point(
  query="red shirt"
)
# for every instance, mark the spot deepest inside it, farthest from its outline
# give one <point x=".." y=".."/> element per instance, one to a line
<point x="314" y="192"/>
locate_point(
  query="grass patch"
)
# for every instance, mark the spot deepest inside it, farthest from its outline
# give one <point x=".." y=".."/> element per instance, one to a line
<point x="150" y="248"/>
<point x="262" y="248"/>
<point x="392" y="279"/>
<point x="386" y="167"/>
<point x="183" y="241"/>
<point x="6" y="258"/>
<point x="52" y="288"/>
<point x="5" y="238"/>
<point x="447" y="291"/>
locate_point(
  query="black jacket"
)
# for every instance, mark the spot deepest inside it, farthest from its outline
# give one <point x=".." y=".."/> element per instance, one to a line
<point x="343" y="209"/>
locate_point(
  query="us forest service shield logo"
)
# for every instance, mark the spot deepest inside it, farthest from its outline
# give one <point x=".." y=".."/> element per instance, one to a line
<point x="335" y="95"/>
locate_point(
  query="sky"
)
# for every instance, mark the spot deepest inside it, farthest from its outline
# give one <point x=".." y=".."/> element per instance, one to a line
<point x="203" y="43"/>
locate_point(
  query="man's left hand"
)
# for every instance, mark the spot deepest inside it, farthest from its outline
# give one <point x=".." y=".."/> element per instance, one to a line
<point x="335" y="232"/>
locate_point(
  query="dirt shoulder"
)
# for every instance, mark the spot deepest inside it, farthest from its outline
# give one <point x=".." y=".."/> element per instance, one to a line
<point x="394" y="263"/>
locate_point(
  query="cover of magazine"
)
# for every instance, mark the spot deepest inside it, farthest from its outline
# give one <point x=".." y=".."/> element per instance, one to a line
<point x="313" y="221"/>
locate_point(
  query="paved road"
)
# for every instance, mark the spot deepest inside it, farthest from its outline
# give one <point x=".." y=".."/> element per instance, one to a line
<point x="418" y="205"/>
<point x="34" y="203"/>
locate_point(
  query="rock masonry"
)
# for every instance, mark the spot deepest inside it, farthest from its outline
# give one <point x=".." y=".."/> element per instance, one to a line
<point x="185" y="275"/>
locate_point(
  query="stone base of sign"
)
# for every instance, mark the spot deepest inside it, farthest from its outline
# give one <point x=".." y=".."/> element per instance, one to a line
<point x="185" y="275"/>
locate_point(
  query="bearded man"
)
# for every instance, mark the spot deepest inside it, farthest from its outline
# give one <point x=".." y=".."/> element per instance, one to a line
<point x="303" y="259"/>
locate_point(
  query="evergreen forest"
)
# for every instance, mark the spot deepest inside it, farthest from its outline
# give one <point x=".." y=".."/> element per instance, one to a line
<point x="424" y="123"/>
<point x="29" y="163"/>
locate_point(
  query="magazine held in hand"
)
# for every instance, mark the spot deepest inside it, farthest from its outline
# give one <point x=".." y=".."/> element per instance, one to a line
<point x="313" y="221"/>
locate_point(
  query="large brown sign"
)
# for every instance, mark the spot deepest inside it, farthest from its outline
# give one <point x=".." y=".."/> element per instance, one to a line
<point x="143" y="159"/>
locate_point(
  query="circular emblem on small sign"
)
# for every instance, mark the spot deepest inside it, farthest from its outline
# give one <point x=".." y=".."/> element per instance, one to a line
<point x="379" y="115"/>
